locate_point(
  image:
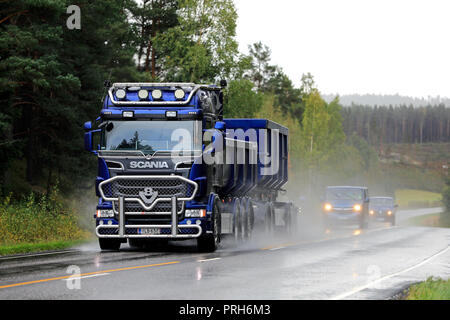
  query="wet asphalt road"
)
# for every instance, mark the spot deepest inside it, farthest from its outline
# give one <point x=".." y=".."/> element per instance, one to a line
<point x="345" y="263"/>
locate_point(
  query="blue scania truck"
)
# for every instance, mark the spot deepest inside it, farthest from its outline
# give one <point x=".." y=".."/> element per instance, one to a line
<point x="170" y="167"/>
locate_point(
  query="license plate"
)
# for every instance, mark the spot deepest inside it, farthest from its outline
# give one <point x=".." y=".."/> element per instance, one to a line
<point x="149" y="231"/>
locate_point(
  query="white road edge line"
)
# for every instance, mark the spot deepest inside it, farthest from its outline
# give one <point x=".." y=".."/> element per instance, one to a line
<point x="37" y="254"/>
<point x="84" y="277"/>
<point x="205" y="260"/>
<point x="358" y="289"/>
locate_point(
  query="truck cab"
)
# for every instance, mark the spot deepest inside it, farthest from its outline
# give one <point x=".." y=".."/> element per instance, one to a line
<point x="346" y="204"/>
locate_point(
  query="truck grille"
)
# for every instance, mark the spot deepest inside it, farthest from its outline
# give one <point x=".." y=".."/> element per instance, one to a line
<point x="130" y="187"/>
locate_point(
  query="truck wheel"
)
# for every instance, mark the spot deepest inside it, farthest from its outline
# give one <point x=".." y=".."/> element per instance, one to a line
<point x="109" y="244"/>
<point x="136" y="243"/>
<point x="210" y="242"/>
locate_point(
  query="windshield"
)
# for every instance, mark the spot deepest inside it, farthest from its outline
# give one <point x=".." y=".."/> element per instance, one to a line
<point x="381" y="201"/>
<point x="152" y="136"/>
<point x="344" y="194"/>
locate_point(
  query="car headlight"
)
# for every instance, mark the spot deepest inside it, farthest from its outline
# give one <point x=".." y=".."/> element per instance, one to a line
<point x="371" y="212"/>
<point x="327" y="207"/>
<point x="357" y="207"/>
<point x="389" y="212"/>
<point x="195" y="213"/>
<point x="104" y="213"/>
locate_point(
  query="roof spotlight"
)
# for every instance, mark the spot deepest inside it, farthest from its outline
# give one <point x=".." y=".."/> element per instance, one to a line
<point x="156" y="94"/>
<point x="143" y="94"/>
<point x="121" y="93"/>
<point x="179" y="94"/>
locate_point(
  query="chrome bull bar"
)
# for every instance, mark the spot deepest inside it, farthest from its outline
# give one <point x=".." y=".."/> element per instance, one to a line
<point x="174" y="226"/>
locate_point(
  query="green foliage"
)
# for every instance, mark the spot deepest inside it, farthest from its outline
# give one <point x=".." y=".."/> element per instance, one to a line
<point x="241" y="101"/>
<point x="51" y="80"/>
<point x="37" y="219"/>
<point x="431" y="289"/>
<point x="202" y="47"/>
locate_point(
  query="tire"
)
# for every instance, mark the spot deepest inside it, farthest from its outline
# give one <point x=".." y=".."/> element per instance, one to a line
<point x="392" y="220"/>
<point x="364" y="223"/>
<point x="288" y="220"/>
<point x="109" y="244"/>
<point x="250" y="218"/>
<point x="245" y="220"/>
<point x="238" y="225"/>
<point x="268" y="220"/>
<point x="210" y="242"/>
<point x="136" y="243"/>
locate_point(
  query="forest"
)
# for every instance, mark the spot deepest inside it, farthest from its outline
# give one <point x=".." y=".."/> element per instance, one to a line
<point x="52" y="81"/>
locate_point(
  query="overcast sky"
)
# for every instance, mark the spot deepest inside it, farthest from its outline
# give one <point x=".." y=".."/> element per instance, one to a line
<point x="351" y="46"/>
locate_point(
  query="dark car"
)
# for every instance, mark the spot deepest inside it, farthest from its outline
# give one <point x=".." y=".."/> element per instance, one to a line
<point x="346" y="204"/>
<point x="383" y="208"/>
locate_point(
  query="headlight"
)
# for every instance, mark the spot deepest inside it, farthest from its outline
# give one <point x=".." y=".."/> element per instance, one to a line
<point x="104" y="213"/>
<point x="371" y="212"/>
<point x="195" y="213"/>
<point x="328" y="207"/>
<point x="389" y="212"/>
<point x="357" y="207"/>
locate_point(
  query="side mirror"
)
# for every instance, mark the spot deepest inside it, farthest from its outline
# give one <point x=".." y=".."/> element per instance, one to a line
<point x="220" y="125"/>
<point x="88" y="126"/>
<point x="395" y="205"/>
<point x="367" y="200"/>
<point x="88" y="140"/>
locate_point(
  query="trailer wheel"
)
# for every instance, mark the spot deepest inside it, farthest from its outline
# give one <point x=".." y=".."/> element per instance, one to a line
<point x="245" y="220"/>
<point x="109" y="244"/>
<point x="250" y="214"/>
<point x="210" y="242"/>
<point x="238" y="222"/>
<point x="269" y="219"/>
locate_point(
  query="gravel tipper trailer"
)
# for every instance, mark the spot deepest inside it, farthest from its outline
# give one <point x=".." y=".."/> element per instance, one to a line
<point x="170" y="167"/>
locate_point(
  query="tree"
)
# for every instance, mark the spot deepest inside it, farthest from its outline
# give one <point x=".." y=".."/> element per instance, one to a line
<point x="51" y="81"/>
<point x="241" y="101"/>
<point x="150" y="19"/>
<point x="202" y="47"/>
<point x="261" y="72"/>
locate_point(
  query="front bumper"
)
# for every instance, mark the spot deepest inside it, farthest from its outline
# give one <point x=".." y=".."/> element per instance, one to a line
<point x="381" y="215"/>
<point x="343" y="216"/>
<point x="119" y="228"/>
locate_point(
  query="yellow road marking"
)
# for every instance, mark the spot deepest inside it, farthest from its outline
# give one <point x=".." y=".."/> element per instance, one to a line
<point x="86" y="274"/>
<point x="278" y="246"/>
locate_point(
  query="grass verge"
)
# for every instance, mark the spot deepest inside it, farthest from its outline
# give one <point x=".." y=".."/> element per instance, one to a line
<point x="438" y="220"/>
<point x="38" y="223"/>
<point x="410" y="198"/>
<point x="38" y="247"/>
<point x="431" y="289"/>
